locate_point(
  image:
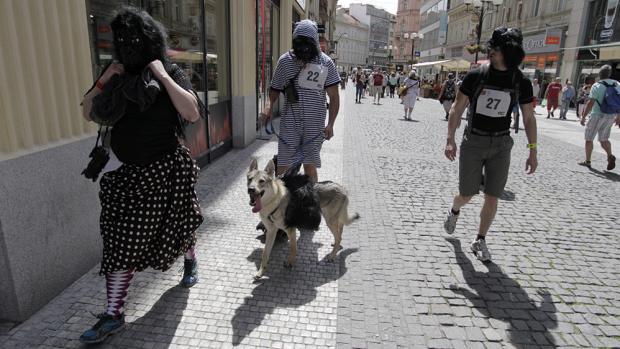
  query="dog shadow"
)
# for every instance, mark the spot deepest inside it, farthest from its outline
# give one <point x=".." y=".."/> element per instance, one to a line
<point x="500" y="297"/>
<point x="165" y="315"/>
<point x="286" y="288"/>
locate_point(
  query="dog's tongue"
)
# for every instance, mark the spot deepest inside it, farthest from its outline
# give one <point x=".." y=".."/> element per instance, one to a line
<point x="257" y="206"/>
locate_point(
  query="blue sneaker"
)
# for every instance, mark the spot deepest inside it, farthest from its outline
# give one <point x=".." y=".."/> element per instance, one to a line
<point x="106" y="326"/>
<point x="190" y="273"/>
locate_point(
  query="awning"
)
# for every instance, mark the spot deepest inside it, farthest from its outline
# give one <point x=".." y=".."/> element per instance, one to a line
<point x="456" y="64"/>
<point x="426" y="64"/>
<point x="609" y="44"/>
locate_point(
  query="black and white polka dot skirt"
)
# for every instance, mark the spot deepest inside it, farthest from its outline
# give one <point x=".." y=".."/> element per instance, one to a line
<point x="149" y="214"/>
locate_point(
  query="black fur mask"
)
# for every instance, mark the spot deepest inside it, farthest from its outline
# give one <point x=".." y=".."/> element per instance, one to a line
<point x="305" y="48"/>
<point x="138" y="40"/>
<point x="510" y="42"/>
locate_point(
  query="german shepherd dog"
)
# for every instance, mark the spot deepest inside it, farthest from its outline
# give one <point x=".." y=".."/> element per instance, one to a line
<point x="294" y="202"/>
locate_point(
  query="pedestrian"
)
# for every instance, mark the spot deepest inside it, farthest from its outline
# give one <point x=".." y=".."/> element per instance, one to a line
<point x="305" y="75"/>
<point x="584" y="92"/>
<point x="410" y="93"/>
<point x="360" y="81"/>
<point x="490" y="91"/>
<point x="536" y="92"/>
<point x="376" y="86"/>
<point x="149" y="208"/>
<point x="366" y="84"/>
<point x="448" y="94"/>
<point x="343" y="80"/>
<point x="568" y="94"/>
<point x="552" y="94"/>
<point x="392" y="83"/>
<point x="603" y="108"/>
<point x="385" y="83"/>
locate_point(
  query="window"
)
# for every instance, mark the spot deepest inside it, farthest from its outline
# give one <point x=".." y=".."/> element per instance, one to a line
<point x="519" y="10"/>
<point x="535" y="6"/>
<point x="561" y="5"/>
<point x="508" y="14"/>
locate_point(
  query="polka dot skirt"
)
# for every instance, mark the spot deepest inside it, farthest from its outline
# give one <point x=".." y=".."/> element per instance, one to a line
<point x="149" y="214"/>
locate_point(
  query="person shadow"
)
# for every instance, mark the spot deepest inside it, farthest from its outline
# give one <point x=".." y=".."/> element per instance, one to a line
<point x="614" y="177"/>
<point x="498" y="296"/>
<point x="286" y="288"/>
<point x="165" y="315"/>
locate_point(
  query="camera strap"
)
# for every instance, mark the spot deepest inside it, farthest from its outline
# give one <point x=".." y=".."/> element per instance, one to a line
<point x="105" y="134"/>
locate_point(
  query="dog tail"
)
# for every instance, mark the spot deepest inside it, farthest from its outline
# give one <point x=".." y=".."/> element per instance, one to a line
<point x="352" y="219"/>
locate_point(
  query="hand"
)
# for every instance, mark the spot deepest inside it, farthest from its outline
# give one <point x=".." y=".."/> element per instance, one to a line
<point x="113" y="69"/>
<point x="329" y="132"/>
<point x="531" y="164"/>
<point x="265" y="115"/>
<point x="450" y="150"/>
<point x="157" y="67"/>
<point x="583" y="121"/>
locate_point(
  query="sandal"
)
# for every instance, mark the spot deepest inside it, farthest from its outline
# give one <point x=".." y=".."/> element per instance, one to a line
<point x="586" y="163"/>
<point x="611" y="162"/>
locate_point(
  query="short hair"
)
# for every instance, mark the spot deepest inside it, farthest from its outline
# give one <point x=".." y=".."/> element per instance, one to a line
<point x="605" y="72"/>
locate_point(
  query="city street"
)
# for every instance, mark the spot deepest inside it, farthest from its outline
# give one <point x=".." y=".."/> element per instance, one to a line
<point x="400" y="281"/>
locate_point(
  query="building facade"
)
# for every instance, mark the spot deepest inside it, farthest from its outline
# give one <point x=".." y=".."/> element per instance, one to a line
<point x="378" y="21"/>
<point x="52" y="51"/>
<point x="351" y="41"/>
<point x="407" y="22"/>
<point x="434" y="27"/>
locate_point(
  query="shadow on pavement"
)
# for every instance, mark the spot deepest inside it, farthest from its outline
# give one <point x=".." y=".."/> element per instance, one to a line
<point x="286" y="288"/>
<point x="500" y="297"/>
<point x="605" y="174"/>
<point x="507" y="195"/>
<point x="160" y="323"/>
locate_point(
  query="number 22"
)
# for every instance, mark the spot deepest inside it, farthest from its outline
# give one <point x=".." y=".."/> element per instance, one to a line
<point x="316" y="76"/>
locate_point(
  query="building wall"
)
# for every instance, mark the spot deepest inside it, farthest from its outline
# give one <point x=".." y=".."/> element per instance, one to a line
<point x="407" y="21"/>
<point x="48" y="213"/>
<point x="352" y="50"/>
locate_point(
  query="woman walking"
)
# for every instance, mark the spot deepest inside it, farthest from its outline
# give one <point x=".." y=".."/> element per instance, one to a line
<point x="448" y="94"/>
<point x="360" y="83"/>
<point x="149" y="209"/>
<point x="410" y="93"/>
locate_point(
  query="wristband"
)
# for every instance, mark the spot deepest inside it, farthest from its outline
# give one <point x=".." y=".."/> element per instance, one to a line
<point x="531" y="145"/>
<point x="99" y="85"/>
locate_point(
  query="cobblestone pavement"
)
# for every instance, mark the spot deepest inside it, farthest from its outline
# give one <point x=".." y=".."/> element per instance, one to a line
<point x="400" y="281"/>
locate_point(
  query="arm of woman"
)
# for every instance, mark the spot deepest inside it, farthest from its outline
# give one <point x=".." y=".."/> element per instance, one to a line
<point x="185" y="102"/>
<point x="87" y="102"/>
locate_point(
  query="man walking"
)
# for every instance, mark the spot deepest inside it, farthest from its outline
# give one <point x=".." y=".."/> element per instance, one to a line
<point x="568" y="94"/>
<point x="491" y="92"/>
<point x="305" y="74"/>
<point x="552" y="95"/>
<point x="536" y="93"/>
<point x="377" y="86"/>
<point x="600" y="122"/>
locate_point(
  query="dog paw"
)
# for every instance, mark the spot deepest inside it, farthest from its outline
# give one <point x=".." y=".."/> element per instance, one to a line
<point x="259" y="274"/>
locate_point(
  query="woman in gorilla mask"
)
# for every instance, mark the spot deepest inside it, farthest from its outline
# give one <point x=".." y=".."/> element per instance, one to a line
<point x="149" y="208"/>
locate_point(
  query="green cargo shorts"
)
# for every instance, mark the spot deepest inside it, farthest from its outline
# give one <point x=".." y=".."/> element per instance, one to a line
<point x="490" y="153"/>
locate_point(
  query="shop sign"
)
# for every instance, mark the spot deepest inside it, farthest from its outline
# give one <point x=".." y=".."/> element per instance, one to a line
<point x="548" y="41"/>
<point x="553" y="57"/>
<point x="530" y="58"/>
<point x="611" y="28"/>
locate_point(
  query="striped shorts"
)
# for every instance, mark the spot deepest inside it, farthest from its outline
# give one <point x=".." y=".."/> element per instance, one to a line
<point x="601" y="125"/>
<point x="300" y="141"/>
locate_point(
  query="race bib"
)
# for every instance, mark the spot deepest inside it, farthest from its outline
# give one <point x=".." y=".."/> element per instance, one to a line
<point x="313" y="77"/>
<point x="493" y="103"/>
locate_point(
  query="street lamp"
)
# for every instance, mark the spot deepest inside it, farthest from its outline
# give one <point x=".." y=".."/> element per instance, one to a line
<point x="481" y="8"/>
<point x="413" y="36"/>
<point x="389" y="57"/>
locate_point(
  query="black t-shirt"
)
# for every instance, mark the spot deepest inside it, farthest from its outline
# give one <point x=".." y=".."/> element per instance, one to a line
<point x="140" y="138"/>
<point x="496" y="80"/>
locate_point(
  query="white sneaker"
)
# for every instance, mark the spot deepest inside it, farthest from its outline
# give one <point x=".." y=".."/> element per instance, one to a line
<point x="449" y="224"/>
<point x="479" y="248"/>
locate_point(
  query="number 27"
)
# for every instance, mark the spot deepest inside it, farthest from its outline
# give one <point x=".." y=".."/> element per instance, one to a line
<point x="490" y="103"/>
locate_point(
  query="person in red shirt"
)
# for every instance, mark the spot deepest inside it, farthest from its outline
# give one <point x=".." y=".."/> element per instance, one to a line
<point x="552" y="95"/>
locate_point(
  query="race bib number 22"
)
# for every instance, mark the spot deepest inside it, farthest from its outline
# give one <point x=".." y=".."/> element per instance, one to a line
<point x="313" y="77"/>
<point x="493" y="103"/>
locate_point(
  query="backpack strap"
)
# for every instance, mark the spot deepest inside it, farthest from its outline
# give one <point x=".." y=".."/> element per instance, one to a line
<point x="480" y="81"/>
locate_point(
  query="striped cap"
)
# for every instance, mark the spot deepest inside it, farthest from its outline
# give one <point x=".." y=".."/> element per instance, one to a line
<point x="308" y="29"/>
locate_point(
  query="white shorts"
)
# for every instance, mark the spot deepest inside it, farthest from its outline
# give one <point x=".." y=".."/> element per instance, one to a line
<point x="601" y="125"/>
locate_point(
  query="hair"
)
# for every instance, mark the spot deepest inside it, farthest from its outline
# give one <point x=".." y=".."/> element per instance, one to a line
<point x="605" y="72"/>
<point x="152" y="30"/>
<point x="412" y="75"/>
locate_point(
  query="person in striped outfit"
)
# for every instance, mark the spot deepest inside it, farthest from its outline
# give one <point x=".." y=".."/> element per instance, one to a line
<point x="306" y="75"/>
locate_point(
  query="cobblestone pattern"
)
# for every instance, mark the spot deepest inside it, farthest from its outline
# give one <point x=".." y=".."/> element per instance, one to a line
<point x="554" y="281"/>
<point x="289" y="309"/>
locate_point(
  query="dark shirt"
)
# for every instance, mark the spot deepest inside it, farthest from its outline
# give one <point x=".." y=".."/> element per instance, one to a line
<point x="496" y="79"/>
<point x="140" y="138"/>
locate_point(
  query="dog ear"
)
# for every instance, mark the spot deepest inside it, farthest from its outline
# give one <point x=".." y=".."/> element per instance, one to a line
<point x="254" y="165"/>
<point x="270" y="168"/>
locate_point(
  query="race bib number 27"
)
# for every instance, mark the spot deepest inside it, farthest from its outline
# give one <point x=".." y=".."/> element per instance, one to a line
<point x="493" y="103"/>
<point x="313" y="77"/>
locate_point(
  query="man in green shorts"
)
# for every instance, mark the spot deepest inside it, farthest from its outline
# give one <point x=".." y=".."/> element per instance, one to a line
<point x="491" y="92"/>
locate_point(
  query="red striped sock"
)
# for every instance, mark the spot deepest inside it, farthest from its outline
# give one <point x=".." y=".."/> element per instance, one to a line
<point x="117" y="284"/>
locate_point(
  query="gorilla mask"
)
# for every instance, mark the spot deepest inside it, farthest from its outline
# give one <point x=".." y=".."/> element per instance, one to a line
<point x="305" y="48"/>
<point x="138" y="40"/>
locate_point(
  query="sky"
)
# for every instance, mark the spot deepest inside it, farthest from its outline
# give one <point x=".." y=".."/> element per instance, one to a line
<point x="389" y="5"/>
